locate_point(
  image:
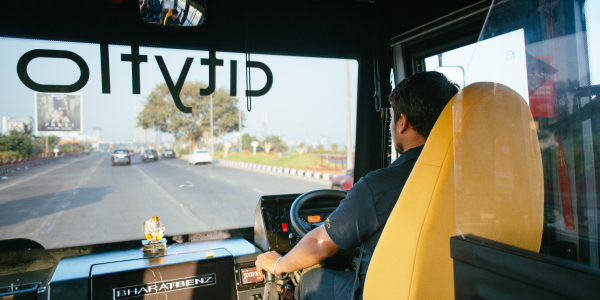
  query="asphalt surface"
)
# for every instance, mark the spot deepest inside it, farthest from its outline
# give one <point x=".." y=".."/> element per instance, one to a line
<point x="84" y="200"/>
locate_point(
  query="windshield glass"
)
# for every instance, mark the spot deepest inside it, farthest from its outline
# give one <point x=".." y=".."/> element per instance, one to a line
<point x="69" y="108"/>
<point x="548" y="53"/>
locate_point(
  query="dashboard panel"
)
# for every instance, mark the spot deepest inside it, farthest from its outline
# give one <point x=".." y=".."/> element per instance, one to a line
<point x="273" y="230"/>
<point x="191" y="268"/>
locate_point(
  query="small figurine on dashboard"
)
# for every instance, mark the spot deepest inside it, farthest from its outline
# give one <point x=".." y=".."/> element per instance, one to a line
<point x="154" y="231"/>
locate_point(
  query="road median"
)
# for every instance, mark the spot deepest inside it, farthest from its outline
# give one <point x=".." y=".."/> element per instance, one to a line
<point x="275" y="169"/>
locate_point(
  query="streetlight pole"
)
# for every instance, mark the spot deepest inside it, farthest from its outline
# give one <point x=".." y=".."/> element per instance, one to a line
<point x="212" y="148"/>
<point x="265" y="122"/>
<point x="46" y="134"/>
<point x="240" y="129"/>
<point x="348" y="117"/>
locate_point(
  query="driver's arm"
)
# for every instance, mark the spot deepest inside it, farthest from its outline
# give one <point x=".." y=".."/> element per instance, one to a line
<point x="314" y="248"/>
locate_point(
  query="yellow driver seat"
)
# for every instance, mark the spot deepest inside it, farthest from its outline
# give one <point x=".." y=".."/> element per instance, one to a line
<point x="168" y="15"/>
<point x="412" y="258"/>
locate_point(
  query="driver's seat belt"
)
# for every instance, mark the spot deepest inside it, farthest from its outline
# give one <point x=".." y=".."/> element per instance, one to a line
<point x="355" y="293"/>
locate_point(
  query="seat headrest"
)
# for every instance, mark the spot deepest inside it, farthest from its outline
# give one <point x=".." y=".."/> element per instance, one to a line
<point x="498" y="166"/>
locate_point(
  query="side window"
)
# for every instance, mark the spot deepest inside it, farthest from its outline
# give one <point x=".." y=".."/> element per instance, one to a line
<point x="549" y="56"/>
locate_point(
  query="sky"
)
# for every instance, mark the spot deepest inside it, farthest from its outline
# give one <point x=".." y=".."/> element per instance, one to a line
<point x="307" y="99"/>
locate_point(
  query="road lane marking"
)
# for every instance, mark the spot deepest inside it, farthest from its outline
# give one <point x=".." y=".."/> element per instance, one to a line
<point x="211" y="176"/>
<point x="259" y="191"/>
<point x="49" y="227"/>
<point x="66" y="204"/>
<point x="39" y="174"/>
<point x="190" y="184"/>
<point x="170" y="197"/>
<point x="230" y="182"/>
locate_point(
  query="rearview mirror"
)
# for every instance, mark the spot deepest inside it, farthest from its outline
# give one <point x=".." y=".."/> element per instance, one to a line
<point x="172" y="12"/>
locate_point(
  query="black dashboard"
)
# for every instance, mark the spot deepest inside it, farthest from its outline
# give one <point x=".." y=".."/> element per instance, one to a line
<point x="212" y="265"/>
<point x="272" y="228"/>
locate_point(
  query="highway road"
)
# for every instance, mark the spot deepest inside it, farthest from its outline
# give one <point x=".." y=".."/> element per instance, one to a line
<point x="84" y="200"/>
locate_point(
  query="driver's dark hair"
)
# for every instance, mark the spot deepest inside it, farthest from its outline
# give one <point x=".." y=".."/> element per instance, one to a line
<point x="422" y="98"/>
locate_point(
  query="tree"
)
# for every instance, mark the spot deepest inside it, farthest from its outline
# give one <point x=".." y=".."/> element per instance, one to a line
<point x="161" y="114"/>
<point x="205" y="137"/>
<point x="309" y="149"/>
<point x="39" y="144"/>
<point x="18" y="141"/>
<point x="320" y="148"/>
<point x="246" y="140"/>
<point x="334" y="147"/>
<point x="276" y="142"/>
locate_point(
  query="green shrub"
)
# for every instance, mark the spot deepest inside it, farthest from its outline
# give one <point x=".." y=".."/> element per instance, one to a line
<point x="9" y="155"/>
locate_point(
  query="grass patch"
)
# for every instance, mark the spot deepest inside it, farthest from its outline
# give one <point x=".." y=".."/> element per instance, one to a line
<point x="294" y="161"/>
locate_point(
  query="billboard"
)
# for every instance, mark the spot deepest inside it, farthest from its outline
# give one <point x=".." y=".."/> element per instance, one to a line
<point x="58" y="112"/>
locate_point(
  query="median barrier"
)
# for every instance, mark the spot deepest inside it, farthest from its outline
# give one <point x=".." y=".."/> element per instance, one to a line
<point x="302" y="173"/>
<point x="23" y="164"/>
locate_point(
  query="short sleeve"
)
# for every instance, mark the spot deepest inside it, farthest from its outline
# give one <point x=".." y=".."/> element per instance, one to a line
<point x="355" y="220"/>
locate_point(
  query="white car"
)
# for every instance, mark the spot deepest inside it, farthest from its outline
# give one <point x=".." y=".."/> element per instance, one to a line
<point x="199" y="156"/>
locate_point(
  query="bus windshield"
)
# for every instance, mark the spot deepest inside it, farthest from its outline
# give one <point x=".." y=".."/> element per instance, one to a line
<point x="103" y="137"/>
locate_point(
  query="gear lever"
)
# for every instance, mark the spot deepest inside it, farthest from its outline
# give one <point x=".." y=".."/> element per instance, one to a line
<point x="270" y="287"/>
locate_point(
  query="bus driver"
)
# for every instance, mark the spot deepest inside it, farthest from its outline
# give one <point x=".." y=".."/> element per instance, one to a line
<point x="359" y="220"/>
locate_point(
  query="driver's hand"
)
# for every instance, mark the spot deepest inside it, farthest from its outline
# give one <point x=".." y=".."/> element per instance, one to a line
<point x="266" y="262"/>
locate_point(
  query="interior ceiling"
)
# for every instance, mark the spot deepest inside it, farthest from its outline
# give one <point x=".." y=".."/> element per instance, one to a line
<point x="332" y="28"/>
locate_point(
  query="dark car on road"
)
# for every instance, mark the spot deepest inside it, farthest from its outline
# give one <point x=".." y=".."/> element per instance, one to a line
<point x="168" y="153"/>
<point x="149" y="154"/>
<point x="121" y="156"/>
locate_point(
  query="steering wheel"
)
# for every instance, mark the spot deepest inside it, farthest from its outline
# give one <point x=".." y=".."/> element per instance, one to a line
<point x="308" y="197"/>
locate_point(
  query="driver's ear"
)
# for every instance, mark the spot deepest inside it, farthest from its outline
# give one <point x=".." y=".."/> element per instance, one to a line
<point x="403" y="123"/>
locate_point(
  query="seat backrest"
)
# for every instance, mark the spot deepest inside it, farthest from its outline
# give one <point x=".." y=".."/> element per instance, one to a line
<point x="412" y="258"/>
<point x="498" y="163"/>
<point x="168" y="15"/>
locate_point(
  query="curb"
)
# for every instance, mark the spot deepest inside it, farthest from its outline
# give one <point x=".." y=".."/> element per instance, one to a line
<point x="281" y="170"/>
<point x="28" y="164"/>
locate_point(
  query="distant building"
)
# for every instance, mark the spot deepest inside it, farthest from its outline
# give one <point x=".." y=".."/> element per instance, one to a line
<point x="97" y="133"/>
<point x="9" y="124"/>
<point x="144" y="136"/>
